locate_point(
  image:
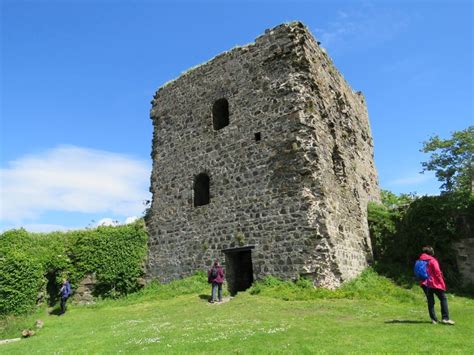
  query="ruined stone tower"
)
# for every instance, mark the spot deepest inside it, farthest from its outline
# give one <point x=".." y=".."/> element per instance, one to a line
<point x="263" y="158"/>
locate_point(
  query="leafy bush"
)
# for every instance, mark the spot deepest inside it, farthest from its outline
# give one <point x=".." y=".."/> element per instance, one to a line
<point x="382" y="227"/>
<point x="36" y="262"/>
<point x="383" y="221"/>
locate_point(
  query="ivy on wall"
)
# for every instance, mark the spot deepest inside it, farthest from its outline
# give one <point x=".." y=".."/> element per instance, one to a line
<point x="32" y="264"/>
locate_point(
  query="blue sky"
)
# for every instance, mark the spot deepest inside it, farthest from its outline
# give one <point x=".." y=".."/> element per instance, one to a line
<point x="77" y="78"/>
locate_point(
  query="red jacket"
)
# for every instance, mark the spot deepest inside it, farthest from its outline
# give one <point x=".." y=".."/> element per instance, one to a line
<point x="220" y="275"/>
<point x="435" y="276"/>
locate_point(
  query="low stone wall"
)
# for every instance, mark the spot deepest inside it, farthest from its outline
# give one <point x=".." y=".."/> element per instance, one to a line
<point x="83" y="293"/>
<point x="464" y="257"/>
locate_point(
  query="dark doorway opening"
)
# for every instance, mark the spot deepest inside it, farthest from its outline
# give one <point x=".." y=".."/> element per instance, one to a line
<point x="52" y="288"/>
<point x="201" y="190"/>
<point x="239" y="269"/>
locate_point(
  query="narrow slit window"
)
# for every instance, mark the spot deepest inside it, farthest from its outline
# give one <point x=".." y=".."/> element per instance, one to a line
<point x="201" y="190"/>
<point x="220" y="114"/>
<point x="258" y="137"/>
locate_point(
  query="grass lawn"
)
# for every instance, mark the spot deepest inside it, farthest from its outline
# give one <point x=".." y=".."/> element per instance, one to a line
<point x="155" y="322"/>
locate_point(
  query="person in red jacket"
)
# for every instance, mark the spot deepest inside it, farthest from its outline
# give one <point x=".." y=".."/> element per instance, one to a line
<point x="215" y="276"/>
<point x="435" y="285"/>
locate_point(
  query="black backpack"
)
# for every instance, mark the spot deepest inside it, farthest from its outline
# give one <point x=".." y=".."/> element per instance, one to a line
<point x="213" y="274"/>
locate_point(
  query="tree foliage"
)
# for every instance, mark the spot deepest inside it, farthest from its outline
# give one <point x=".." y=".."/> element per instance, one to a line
<point x="399" y="230"/>
<point x="452" y="160"/>
<point x="383" y="220"/>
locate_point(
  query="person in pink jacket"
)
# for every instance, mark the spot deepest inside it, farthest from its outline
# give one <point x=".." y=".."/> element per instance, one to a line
<point x="215" y="276"/>
<point x="435" y="285"/>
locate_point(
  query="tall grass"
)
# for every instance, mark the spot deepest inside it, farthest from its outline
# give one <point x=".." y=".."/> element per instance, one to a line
<point x="195" y="284"/>
<point x="369" y="286"/>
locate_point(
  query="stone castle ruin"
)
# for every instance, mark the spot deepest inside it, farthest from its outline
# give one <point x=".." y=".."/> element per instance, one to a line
<point x="262" y="158"/>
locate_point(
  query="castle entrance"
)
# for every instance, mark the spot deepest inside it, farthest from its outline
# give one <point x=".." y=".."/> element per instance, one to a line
<point x="239" y="269"/>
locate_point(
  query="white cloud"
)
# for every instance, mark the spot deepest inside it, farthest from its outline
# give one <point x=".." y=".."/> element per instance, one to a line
<point x="108" y="222"/>
<point x="113" y="222"/>
<point x="73" y="179"/>
<point x="131" y="219"/>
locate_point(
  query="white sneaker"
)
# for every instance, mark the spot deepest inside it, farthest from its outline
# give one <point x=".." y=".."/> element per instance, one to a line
<point x="447" y="321"/>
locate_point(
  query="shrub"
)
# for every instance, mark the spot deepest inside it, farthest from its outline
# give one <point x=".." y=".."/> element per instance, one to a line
<point x="384" y="219"/>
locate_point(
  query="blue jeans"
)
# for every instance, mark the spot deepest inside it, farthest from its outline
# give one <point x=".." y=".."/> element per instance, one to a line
<point x="216" y="288"/>
<point x="430" y="292"/>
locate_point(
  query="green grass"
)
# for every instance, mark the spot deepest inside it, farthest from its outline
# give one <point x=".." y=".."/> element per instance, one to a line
<point x="370" y="314"/>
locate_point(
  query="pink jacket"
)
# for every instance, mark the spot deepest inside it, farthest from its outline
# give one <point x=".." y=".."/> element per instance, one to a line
<point x="220" y="275"/>
<point x="435" y="278"/>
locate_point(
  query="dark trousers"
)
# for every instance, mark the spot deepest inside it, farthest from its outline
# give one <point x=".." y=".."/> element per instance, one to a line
<point x="63" y="304"/>
<point x="430" y="292"/>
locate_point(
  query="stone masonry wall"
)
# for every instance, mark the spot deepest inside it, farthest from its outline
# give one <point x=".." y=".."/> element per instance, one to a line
<point x="335" y="130"/>
<point x="464" y="252"/>
<point x="298" y="195"/>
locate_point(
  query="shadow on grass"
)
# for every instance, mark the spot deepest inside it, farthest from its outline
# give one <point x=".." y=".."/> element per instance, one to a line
<point x="205" y="297"/>
<point x="55" y="312"/>
<point x="406" y="321"/>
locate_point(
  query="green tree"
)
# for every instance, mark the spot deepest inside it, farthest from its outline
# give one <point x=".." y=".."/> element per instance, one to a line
<point x="383" y="220"/>
<point x="452" y="160"/>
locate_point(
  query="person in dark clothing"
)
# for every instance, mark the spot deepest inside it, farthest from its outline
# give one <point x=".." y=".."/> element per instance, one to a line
<point x="215" y="276"/>
<point x="435" y="285"/>
<point x="64" y="293"/>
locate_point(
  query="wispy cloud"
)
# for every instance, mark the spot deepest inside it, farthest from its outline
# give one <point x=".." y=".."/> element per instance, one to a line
<point x="73" y="179"/>
<point x="366" y="26"/>
<point x="411" y="182"/>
